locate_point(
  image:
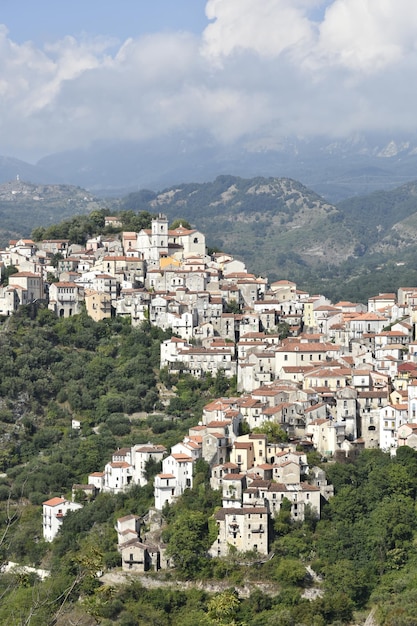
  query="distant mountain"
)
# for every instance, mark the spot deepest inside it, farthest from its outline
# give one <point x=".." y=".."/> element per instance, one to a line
<point x="279" y="227"/>
<point x="282" y="229"/>
<point x="273" y="223"/>
<point x="336" y="169"/>
<point x="383" y="219"/>
<point x="14" y="169"/>
<point x="23" y="206"/>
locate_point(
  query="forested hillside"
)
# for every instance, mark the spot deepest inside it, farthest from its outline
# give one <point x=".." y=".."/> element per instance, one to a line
<point x="361" y="554"/>
<point x="283" y="230"/>
<point x="277" y="226"/>
<point x="25" y="206"/>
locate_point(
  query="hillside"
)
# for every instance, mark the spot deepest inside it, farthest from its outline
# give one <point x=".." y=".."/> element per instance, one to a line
<point x="284" y="230"/>
<point x="279" y="227"/>
<point x="273" y="223"/>
<point x="383" y="218"/>
<point x="24" y="206"/>
<point x="336" y="168"/>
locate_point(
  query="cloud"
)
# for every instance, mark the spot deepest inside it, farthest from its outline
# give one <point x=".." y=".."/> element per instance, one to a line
<point x="369" y="35"/>
<point x="261" y="70"/>
<point x="267" y="28"/>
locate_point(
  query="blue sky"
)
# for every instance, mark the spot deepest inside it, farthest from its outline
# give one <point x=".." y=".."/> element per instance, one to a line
<point x="80" y="71"/>
<point x="48" y="20"/>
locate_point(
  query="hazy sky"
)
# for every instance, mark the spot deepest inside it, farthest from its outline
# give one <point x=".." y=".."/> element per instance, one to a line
<point x="82" y="70"/>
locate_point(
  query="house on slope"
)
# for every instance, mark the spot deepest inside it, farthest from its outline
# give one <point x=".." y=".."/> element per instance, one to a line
<point x="137" y="555"/>
<point x="246" y="529"/>
<point x="175" y="478"/>
<point x="53" y="513"/>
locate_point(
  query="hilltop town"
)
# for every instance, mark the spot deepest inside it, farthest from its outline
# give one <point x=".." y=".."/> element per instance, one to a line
<point x="311" y="375"/>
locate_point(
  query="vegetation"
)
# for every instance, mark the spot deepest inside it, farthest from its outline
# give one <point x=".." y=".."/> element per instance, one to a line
<point x="362" y="553"/>
<point x="25" y="206"/>
<point x="82" y="227"/>
<point x="363" y="548"/>
<point x="104" y="374"/>
<point x="277" y="226"/>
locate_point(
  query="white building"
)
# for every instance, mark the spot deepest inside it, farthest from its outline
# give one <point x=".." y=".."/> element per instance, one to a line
<point x="245" y="529"/>
<point x="118" y="476"/>
<point x="391" y="417"/>
<point x="141" y="455"/>
<point x="54" y="511"/>
<point x="176" y="477"/>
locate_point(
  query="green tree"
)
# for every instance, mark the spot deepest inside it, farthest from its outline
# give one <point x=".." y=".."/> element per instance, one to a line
<point x="282" y="521"/>
<point x="97" y="218"/>
<point x="222" y="608"/>
<point x="38" y="233"/>
<point x="187" y="543"/>
<point x="290" y="572"/>
<point x="58" y="256"/>
<point x="232" y="307"/>
<point x="9" y="271"/>
<point x="273" y="431"/>
<point x="284" y="330"/>
<point x="180" y="222"/>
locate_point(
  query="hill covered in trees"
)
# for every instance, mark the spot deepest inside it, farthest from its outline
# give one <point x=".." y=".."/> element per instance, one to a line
<point x="361" y="554"/>
<point x="284" y="230"/>
<point x="277" y="226"/>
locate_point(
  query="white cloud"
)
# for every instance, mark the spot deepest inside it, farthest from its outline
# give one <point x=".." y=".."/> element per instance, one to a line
<point x="261" y="69"/>
<point x="267" y="28"/>
<point x="368" y="35"/>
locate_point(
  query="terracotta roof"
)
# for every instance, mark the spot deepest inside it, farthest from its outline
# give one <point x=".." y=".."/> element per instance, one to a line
<point x="54" y="501"/>
<point x="182" y="458"/>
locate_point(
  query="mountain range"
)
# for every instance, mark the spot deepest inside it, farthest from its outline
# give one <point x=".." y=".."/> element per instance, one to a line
<point x="336" y="168"/>
<point x="279" y="227"/>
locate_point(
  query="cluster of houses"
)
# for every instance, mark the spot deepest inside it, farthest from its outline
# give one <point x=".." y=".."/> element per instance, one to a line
<point x="350" y="365"/>
<point x="253" y="475"/>
<point x="343" y="378"/>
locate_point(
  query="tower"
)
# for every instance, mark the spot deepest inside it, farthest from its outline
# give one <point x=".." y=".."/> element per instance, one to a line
<point x="159" y="238"/>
